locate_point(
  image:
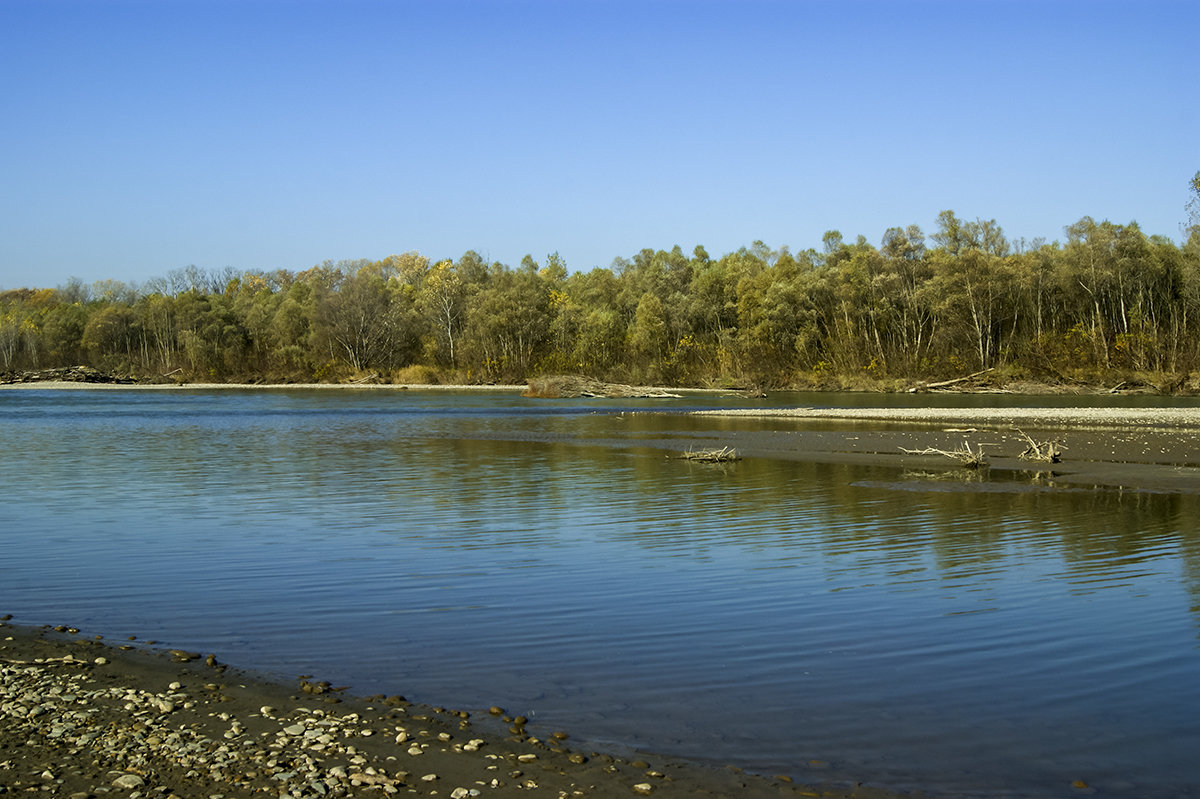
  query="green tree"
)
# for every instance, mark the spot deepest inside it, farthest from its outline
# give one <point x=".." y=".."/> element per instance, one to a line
<point x="110" y="336"/>
<point x="647" y="335"/>
<point x="443" y="302"/>
<point x="363" y="318"/>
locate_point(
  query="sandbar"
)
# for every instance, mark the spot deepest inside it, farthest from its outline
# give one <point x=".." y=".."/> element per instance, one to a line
<point x="1143" y="449"/>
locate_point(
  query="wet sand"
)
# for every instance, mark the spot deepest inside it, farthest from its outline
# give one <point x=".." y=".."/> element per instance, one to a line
<point x="85" y="717"/>
<point x="1145" y="449"/>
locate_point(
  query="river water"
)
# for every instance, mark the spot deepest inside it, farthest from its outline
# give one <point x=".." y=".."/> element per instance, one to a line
<point x="834" y="622"/>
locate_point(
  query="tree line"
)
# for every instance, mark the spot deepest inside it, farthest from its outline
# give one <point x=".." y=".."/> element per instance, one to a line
<point x="1108" y="301"/>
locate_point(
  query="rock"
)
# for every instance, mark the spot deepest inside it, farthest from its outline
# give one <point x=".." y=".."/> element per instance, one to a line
<point x="128" y="782"/>
<point x="643" y="788"/>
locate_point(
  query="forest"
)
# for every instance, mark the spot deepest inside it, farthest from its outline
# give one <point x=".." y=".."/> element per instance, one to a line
<point x="1108" y="304"/>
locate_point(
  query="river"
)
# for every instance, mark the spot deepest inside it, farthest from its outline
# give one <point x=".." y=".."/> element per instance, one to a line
<point x="833" y="622"/>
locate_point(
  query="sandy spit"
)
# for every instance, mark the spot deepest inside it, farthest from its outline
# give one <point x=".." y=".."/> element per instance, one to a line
<point x="1185" y="418"/>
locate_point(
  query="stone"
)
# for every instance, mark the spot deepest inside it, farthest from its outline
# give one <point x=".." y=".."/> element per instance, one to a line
<point x="643" y="788"/>
<point x="128" y="781"/>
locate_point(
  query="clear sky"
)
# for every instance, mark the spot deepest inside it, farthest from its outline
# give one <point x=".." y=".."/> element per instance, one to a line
<point x="141" y="136"/>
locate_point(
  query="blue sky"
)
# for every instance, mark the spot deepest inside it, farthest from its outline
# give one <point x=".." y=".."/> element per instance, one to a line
<point x="140" y="137"/>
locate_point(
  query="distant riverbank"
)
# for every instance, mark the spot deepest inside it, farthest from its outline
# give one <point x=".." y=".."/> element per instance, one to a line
<point x="72" y="385"/>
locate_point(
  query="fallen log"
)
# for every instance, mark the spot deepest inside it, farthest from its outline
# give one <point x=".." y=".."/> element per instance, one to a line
<point x="947" y="383"/>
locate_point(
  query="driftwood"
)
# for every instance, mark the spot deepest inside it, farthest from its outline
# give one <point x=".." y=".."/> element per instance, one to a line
<point x="948" y="383"/>
<point x="723" y="455"/>
<point x="1043" y="451"/>
<point x="966" y="457"/>
<point x="568" y="386"/>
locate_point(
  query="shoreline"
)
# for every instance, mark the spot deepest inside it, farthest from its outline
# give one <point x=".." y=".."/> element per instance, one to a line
<point x="84" y="717"/>
<point x="71" y="385"/>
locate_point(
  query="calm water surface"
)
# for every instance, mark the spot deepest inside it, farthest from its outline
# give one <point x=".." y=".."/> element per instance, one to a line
<point x="987" y="639"/>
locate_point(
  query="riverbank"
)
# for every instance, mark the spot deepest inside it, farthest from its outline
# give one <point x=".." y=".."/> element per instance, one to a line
<point x="1151" y="449"/>
<point x="84" y="717"/>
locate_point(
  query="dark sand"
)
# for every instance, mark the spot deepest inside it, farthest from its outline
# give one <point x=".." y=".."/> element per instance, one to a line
<point x="82" y="717"/>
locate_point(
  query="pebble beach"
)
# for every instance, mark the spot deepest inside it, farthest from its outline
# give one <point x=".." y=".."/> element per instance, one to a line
<point x="83" y="717"/>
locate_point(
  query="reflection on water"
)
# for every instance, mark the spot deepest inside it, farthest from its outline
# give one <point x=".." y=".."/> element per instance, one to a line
<point x="1001" y="637"/>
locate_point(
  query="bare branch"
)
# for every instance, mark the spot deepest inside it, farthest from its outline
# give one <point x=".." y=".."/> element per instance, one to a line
<point x="966" y="457"/>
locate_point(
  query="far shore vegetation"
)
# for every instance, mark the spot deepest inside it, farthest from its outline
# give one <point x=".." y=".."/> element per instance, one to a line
<point x="1110" y="305"/>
